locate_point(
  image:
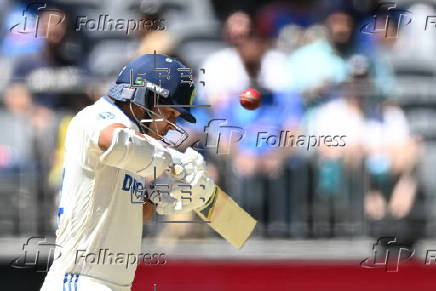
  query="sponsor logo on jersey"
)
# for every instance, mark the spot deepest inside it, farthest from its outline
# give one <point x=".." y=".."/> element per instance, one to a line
<point x="135" y="187"/>
<point x="106" y="115"/>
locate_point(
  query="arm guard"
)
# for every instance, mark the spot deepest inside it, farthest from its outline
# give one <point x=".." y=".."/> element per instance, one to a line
<point x="140" y="155"/>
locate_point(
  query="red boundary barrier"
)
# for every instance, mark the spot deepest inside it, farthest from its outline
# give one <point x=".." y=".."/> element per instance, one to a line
<point x="280" y="275"/>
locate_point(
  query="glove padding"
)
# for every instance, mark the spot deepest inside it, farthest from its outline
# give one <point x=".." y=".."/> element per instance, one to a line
<point x="193" y="195"/>
<point x="183" y="164"/>
<point x="161" y="198"/>
<point x="187" y="183"/>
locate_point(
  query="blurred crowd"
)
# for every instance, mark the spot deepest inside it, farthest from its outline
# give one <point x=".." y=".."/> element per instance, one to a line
<point x="325" y="69"/>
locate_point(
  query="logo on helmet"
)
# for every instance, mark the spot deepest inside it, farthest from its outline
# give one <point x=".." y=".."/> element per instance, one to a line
<point x="139" y="81"/>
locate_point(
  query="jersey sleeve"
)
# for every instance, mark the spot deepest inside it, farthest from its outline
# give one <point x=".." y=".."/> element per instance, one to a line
<point x="100" y="119"/>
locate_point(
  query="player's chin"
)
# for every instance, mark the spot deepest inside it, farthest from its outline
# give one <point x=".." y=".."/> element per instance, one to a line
<point x="165" y="131"/>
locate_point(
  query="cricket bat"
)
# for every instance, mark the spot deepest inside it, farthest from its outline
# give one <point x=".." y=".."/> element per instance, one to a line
<point x="227" y="218"/>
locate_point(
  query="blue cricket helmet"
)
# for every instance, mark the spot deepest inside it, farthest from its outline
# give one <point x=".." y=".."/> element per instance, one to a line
<point x="166" y="77"/>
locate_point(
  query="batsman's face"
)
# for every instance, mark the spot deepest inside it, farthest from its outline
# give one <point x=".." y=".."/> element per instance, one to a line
<point x="168" y="114"/>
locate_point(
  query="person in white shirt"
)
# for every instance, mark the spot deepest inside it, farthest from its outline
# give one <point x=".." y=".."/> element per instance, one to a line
<point x="114" y="150"/>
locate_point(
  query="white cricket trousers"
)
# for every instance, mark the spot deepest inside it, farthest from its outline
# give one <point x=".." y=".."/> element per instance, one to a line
<point x="77" y="282"/>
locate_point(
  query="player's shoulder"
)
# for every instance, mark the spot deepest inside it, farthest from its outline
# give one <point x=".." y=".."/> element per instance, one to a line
<point x="92" y="119"/>
<point x="102" y="109"/>
<point x="89" y="122"/>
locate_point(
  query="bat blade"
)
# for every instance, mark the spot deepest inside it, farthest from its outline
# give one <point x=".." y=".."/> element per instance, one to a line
<point x="227" y="218"/>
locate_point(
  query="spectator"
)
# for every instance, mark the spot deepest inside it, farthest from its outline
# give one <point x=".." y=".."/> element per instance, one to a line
<point x="155" y="38"/>
<point x="51" y="79"/>
<point x="335" y="163"/>
<point x="226" y="73"/>
<point x="323" y="62"/>
<point x="391" y="202"/>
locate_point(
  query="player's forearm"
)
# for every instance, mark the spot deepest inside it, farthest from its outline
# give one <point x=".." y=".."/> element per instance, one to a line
<point x="106" y="135"/>
<point x="135" y="153"/>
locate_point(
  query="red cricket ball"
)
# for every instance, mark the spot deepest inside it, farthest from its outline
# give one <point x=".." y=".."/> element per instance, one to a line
<point x="250" y="99"/>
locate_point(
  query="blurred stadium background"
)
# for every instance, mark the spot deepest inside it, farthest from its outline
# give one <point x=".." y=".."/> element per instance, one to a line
<point x="357" y="69"/>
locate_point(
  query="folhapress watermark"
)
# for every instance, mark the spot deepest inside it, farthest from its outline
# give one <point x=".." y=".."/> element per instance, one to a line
<point x="221" y="137"/>
<point x="39" y="20"/>
<point x="39" y="253"/>
<point x="389" y="20"/>
<point x="287" y="139"/>
<point x="107" y="257"/>
<point x="389" y="253"/>
<point x="105" y="22"/>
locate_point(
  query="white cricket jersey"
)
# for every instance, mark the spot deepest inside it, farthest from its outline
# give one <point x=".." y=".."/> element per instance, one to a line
<point x="97" y="217"/>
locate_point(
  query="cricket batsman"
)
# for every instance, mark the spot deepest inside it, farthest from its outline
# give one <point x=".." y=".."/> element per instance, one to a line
<point x="114" y="149"/>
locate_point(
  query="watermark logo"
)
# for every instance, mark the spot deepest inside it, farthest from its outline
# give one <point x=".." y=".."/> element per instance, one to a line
<point x="287" y="139"/>
<point x="387" y="19"/>
<point x="105" y="22"/>
<point x="41" y="24"/>
<point x="40" y="20"/>
<point x="387" y="255"/>
<point x="430" y="257"/>
<point x="108" y="257"/>
<point x="38" y="254"/>
<point x="219" y="137"/>
<point x="430" y="19"/>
